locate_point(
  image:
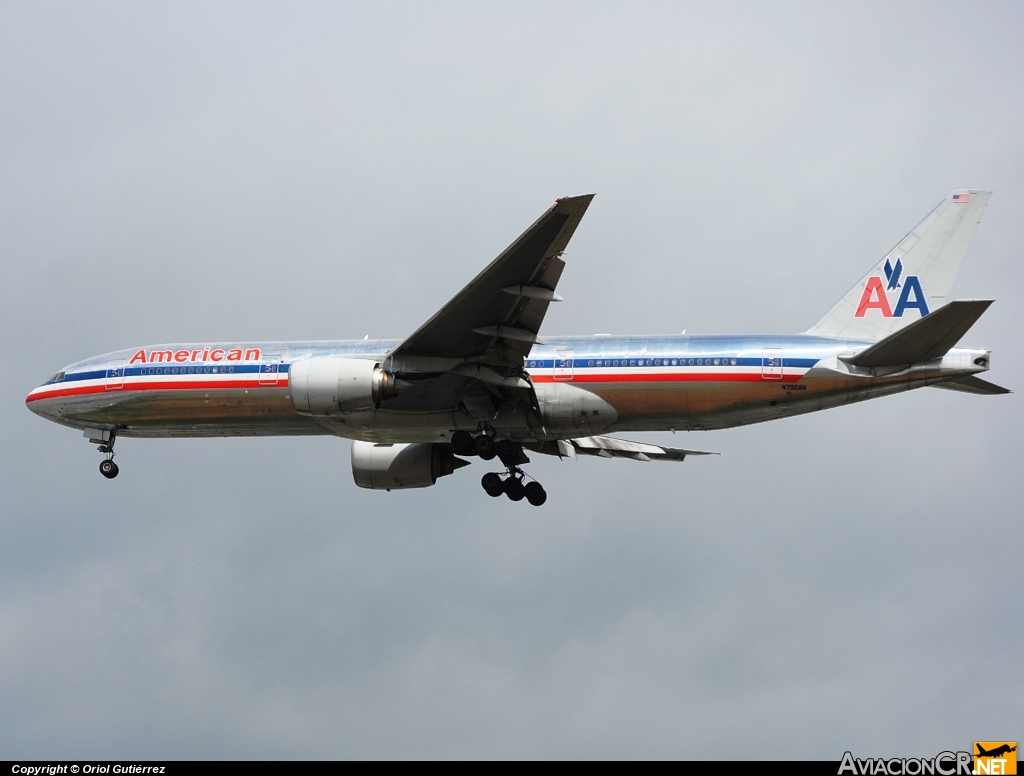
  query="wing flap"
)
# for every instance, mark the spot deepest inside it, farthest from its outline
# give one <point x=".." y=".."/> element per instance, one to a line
<point x="610" y="447"/>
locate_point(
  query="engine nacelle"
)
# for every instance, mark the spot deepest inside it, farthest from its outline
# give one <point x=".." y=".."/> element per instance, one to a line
<point x="334" y="386"/>
<point x="568" y="409"/>
<point x="394" y="466"/>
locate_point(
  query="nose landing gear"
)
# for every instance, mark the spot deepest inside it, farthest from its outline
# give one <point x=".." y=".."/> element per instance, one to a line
<point x="105" y="439"/>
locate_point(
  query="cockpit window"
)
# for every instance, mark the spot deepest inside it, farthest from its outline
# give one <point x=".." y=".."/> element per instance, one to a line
<point x="57" y="377"/>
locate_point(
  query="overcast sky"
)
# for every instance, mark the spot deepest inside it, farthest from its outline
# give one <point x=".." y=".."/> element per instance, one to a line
<point x="844" y="580"/>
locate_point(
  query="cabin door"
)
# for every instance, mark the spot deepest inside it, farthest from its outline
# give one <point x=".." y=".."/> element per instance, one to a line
<point x="771" y="364"/>
<point x="115" y="375"/>
<point x="270" y="369"/>
<point x="563" y="363"/>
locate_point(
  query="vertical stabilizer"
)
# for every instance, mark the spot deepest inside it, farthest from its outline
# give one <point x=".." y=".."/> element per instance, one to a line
<point x="914" y="278"/>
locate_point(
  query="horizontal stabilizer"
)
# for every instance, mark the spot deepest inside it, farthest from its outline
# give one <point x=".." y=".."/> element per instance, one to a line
<point x="972" y="384"/>
<point x="608" y="447"/>
<point x="924" y="339"/>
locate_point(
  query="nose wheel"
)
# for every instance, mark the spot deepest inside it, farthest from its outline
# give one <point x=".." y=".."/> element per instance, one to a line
<point x="107" y="466"/>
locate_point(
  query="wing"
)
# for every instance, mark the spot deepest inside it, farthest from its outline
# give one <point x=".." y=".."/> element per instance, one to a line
<point x="609" y="447"/>
<point x="497" y="317"/>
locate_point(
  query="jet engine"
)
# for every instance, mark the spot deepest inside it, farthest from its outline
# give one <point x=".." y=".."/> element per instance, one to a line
<point x="394" y="466"/>
<point x="334" y="386"/>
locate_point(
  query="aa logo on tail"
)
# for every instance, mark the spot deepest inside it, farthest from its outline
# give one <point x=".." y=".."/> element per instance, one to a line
<point x="876" y="294"/>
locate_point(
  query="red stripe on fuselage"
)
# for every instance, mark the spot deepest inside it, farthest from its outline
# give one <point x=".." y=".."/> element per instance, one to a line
<point x="179" y="385"/>
<point x="213" y="385"/>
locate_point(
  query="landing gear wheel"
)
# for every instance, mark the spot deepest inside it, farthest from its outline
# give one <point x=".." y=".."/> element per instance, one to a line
<point x="492" y="483"/>
<point x="108" y="469"/>
<point x="484" y="447"/>
<point x="462" y="443"/>
<point x="514" y="489"/>
<point x="535" y="493"/>
<point x="508" y="451"/>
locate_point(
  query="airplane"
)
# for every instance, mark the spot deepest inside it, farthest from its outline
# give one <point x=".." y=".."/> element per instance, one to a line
<point x="999" y="750"/>
<point x="478" y="380"/>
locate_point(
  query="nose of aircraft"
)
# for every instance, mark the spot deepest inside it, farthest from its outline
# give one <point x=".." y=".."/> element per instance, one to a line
<point x="41" y="403"/>
<point x="38" y="406"/>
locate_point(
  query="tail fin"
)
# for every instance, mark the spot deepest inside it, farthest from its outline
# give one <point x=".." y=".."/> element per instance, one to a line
<point x="915" y="275"/>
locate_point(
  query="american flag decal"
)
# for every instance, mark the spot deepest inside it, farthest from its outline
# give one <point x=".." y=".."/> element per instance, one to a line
<point x="961" y="198"/>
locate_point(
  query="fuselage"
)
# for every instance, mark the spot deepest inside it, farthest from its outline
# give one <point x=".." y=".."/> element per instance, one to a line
<point x="587" y="384"/>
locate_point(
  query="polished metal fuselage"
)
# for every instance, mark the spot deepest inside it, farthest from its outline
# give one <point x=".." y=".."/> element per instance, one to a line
<point x="602" y="383"/>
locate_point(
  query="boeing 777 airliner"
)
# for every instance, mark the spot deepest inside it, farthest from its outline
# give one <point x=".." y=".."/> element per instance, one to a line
<point x="477" y="379"/>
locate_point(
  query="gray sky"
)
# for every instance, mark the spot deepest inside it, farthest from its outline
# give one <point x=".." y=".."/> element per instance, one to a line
<point x="843" y="580"/>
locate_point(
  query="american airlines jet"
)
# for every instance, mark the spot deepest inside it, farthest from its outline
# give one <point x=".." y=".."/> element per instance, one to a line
<point x="477" y="379"/>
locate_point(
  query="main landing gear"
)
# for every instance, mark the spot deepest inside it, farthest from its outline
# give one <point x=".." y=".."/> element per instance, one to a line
<point x="514" y="487"/>
<point x="512" y="483"/>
